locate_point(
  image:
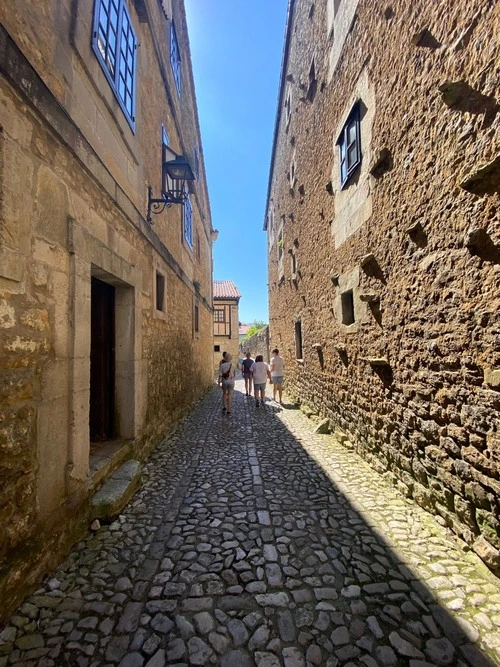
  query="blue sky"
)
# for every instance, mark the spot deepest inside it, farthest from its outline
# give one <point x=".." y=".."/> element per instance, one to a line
<point x="236" y="49"/>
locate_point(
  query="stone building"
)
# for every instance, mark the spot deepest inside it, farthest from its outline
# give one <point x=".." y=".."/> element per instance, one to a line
<point x="99" y="307"/>
<point x="226" y="320"/>
<point x="257" y="343"/>
<point x="384" y="243"/>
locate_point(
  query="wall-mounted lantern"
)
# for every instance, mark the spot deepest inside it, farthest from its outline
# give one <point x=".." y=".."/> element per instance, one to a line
<point x="175" y="173"/>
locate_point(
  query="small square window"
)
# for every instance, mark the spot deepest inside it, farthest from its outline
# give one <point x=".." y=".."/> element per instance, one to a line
<point x="216" y="348"/>
<point x="160" y="292"/>
<point x="349" y="143"/>
<point x="347" y="300"/>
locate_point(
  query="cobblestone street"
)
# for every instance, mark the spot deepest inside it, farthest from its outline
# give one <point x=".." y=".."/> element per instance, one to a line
<point x="254" y="541"/>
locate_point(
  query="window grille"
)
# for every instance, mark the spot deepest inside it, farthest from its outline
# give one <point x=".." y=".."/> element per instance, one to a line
<point x="349" y="144"/>
<point x="115" y="44"/>
<point x="175" y="58"/>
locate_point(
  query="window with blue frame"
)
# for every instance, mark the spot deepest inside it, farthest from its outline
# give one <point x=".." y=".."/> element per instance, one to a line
<point x="175" y="58"/>
<point x="349" y="143"/>
<point x="188" y="222"/>
<point x="115" y="43"/>
<point x="164" y="136"/>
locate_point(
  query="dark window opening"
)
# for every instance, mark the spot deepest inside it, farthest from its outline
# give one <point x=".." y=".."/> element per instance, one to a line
<point x="196" y="319"/>
<point x="349" y="143"/>
<point x="160" y="291"/>
<point x="288" y="108"/>
<point x="313" y="83"/>
<point x="198" y="247"/>
<point x="347" y="307"/>
<point x="298" y="339"/>
<point x="216" y="348"/>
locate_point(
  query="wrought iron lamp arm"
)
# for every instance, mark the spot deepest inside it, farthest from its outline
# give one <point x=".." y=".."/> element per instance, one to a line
<point x="155" y="205"/>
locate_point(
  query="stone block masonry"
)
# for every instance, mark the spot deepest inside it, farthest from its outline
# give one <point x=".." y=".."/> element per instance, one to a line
<point x="384" y="248"/>
<point x="105" y="320"/>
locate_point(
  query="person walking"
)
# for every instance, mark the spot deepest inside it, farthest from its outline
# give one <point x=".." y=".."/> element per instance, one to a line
<point x="260" y="374"/>
<point x="277" y="374"/>
<point x="227" y="376"/>
<point x="247" y="374"/>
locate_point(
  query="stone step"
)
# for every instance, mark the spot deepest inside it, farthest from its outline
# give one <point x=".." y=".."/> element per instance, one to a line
<point x="116" y="491"/>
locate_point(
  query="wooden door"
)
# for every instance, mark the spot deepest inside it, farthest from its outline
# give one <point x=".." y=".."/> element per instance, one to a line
<point x="102" y="361"/>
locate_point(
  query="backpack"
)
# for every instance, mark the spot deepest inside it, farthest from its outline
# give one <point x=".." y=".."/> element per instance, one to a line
<point x="226" y="374"/>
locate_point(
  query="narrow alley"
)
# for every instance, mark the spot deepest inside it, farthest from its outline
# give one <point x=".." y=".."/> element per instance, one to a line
<point x="255" y="541"/>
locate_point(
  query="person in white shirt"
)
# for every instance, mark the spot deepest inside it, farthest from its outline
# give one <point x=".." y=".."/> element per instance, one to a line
<point x="260" y="374"/>
<point x="277" y="374"/>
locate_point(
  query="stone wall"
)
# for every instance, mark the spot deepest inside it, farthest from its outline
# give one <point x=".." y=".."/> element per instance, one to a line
<point x="411" y="376"/>
<point x="257" y="344"/>
<point x="73" y="178"/>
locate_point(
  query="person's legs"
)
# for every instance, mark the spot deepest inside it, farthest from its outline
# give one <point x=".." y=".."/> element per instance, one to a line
<point x="263" y="393"/>
<point x="280" y="392"/>
<point x="256" y="394"/>
<point x="229" y="399"/>
<point x="274" y="388"/>
<point x="225" y="398"/>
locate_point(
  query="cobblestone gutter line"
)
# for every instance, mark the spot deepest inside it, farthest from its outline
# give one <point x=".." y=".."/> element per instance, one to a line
<point x="256" y="542"/>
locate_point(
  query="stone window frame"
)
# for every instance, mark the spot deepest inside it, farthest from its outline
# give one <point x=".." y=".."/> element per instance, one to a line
<point x="158" y="270"/>
<point x="175" y="58"/>
<point x="346" y="142"/>
<point x="125" y="50"/>
<point x="349" y="282"/>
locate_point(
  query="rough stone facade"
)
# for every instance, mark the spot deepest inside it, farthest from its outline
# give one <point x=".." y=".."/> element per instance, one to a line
<point x="257" y="344"/>
<point x="384" y="291"/>
<point x="74" y="173"/>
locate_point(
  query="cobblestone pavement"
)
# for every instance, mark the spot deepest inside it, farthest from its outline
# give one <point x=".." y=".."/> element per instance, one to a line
<point x="254" y="541"/>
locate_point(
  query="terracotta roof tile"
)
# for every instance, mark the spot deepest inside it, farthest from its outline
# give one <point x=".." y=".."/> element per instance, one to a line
<point x="225" y="289"/>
